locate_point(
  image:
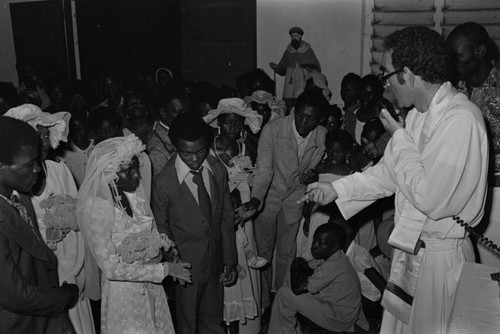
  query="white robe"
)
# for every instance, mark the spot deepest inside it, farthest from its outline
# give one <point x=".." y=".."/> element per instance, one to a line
<point x="437" y="167"/>
<point x="70" y="251"/>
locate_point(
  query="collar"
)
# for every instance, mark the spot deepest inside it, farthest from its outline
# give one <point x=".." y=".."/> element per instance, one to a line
<point x="14" y="194"/>
<point x="183" y="170"/>
<point x="73" y="146"/>
<point x="335" y="256"/>
<point x="439" y="105"/>
<point x="165" y="126"/>
<point x="304" y="46"/>
<point x="296" y="134"/>
<point x="319" y="262"/>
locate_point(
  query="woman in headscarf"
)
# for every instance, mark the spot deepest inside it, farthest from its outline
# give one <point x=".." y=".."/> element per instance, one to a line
<point x="242" y="300"/>
<point x="118" y="225"/>
<point x="54" y="201"/>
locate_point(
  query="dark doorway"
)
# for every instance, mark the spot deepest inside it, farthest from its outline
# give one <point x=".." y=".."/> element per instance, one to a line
<point x="127" y="36"/>
<point x="219" y="39"/>
<point x="41" y="37"/>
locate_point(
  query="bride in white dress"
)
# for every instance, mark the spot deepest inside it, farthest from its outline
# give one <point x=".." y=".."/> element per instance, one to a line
<point x="118" y="225"/>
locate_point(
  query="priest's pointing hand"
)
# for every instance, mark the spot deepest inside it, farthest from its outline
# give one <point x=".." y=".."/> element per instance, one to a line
<point x="320" y="192"/>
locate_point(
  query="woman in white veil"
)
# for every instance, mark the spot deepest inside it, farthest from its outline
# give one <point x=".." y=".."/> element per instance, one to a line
<point x="118" y="225"/>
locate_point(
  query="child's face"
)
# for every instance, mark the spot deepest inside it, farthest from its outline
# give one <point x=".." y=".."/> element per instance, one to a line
<point x="323" y="246"/>
<point x="369" y="148"/>
<point x="335" y="154"/>
<point x="332" y="124"/>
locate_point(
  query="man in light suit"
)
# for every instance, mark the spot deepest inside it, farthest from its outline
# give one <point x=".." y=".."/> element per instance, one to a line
<point x="192" y="206"/>
<point x="31" y="299"/>
<point x="289" y="150"/>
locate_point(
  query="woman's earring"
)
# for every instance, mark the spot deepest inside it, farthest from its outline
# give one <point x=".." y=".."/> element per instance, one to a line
<point x="218" y="130"/>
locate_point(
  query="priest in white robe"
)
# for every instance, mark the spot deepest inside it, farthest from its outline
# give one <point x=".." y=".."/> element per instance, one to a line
<point x="437" y="167"/>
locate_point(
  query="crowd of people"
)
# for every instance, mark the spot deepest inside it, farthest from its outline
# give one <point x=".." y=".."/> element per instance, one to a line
<point x="158" y="205"/>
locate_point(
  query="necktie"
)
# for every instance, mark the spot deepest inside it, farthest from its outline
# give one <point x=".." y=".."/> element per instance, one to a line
<point x="23" y="212"/>
<point x="203" y="197"/>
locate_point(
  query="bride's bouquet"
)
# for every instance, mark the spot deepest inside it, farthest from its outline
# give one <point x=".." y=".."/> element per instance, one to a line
<point x="59" y="217"/>
<point x="143" y="246"/>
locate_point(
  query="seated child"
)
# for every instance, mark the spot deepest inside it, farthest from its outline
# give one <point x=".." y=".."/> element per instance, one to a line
<point x="330" y="297"/>
<point x="368" y="270"/>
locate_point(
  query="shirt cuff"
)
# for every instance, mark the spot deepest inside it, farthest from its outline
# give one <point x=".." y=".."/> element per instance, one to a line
<point x="398" y="134"/>
<point x="346" y="207"/>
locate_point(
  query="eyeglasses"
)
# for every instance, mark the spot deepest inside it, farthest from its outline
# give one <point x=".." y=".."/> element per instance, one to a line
<point x="384" y="77"/>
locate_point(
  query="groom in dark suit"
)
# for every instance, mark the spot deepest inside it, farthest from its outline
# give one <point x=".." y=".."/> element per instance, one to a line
<point x="192" y="206"/>
<point x="31" y="298"/>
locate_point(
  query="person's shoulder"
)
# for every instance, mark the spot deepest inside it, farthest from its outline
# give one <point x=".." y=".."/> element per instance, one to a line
<point x="321" y="130"/>
<point x="278" y="122"/>
<point x="216" y="165"/>
<point x="57" y="166"/>
<point x="168" y="171"/>
<point x="275" y="126"/>
<point x="344" y="265"/>
<point x="463" y="108"/>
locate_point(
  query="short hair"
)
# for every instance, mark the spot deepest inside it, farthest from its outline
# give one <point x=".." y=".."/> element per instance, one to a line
<point x="373" y="125"/>
<point x="475" y="35"/>
<point x="423" y="51"/>
<point x="14" y="134"/>
<point x="353" y="79"/>
<point x="335" y="111"/>
<point x="336" y="232"/>
<point x="314" y="99"/>
<point x="189" y="127"/>
<point x="342" y="137"/>
<point x="374" y="82"/>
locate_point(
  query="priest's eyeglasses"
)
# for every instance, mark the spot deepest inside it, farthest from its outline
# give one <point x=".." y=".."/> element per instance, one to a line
<point x="384" y="77"/>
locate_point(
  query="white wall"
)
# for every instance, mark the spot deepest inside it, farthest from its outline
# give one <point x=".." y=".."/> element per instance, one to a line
<point x="334" y="28"/>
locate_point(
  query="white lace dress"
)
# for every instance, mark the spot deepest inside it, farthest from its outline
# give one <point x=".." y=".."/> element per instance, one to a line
<point x="133" y="299"/>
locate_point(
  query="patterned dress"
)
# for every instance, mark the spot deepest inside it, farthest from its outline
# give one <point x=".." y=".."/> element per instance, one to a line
<point x="133" y="299"/>
<point x="487" y="98"/>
